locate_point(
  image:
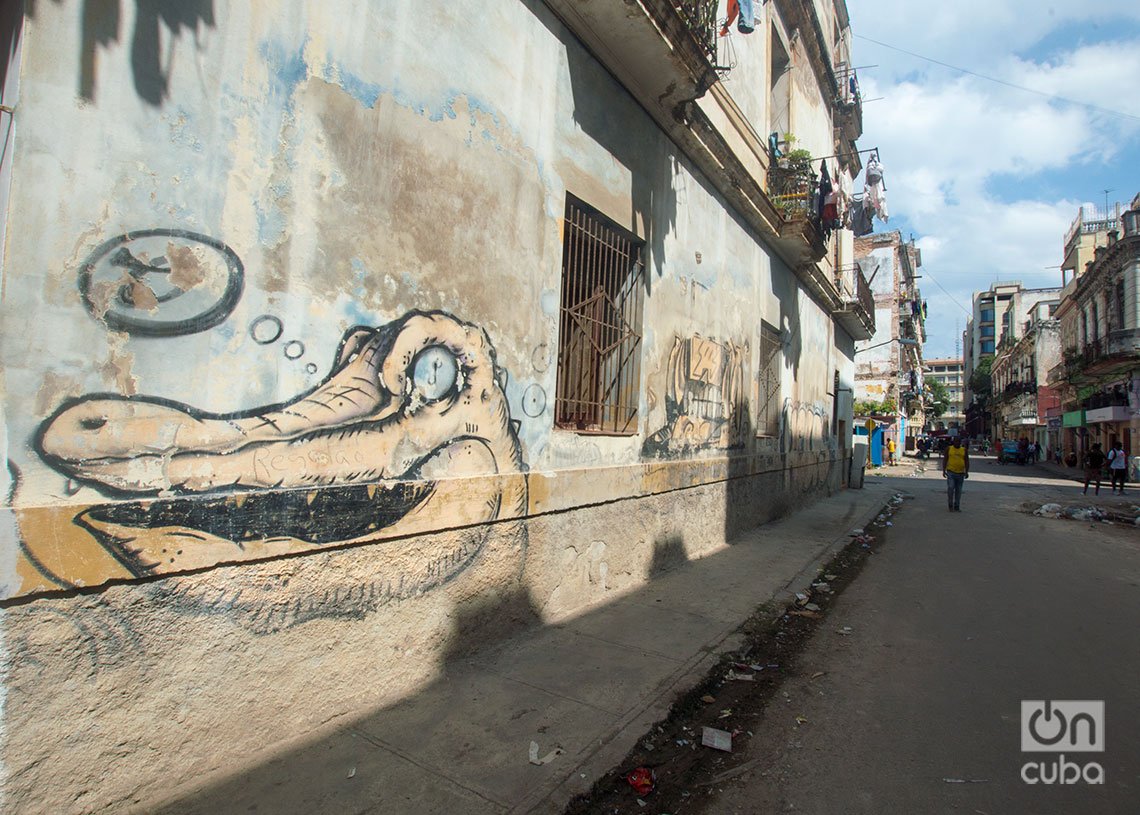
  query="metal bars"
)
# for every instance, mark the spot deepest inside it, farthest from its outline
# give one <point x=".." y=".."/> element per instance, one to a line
<point x="768" y="381"/>
<point x="599" y="338"/>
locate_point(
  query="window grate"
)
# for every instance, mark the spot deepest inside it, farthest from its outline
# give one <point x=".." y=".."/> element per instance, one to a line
<point x="599" y="339"/>
<point x="768" y="381"/>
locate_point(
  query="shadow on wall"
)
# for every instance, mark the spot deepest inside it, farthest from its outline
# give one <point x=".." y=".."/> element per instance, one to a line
<point x="102" y="27"/>
<point x="668" y="554"/>
<point x="651" y="163"/>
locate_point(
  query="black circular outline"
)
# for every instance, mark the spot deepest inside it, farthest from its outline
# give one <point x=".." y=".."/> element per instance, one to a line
<point x="149" y="328"/>
<point x="268" y="318"/>
<point x="285" y="349"/>
<point x="311" y="368"/>
<point x="541" y="390"/>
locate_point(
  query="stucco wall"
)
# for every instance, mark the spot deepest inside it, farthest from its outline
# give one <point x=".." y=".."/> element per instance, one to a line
<point x="280" y="327"/>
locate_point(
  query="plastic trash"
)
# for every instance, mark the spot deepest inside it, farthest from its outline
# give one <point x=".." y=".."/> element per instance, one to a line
<point x="538" y="762"/>
<point x="642" y="780"/>
<point x="716" y="739"/>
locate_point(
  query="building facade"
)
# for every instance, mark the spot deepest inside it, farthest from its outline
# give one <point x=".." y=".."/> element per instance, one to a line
<point x="1098" y="377"/>
<point x="331" y="351"/>
<point x="948" y="372"/>
<point x="1022" y="397"/>
<point x="999" y="313"/>
<point x="889" y="370"/>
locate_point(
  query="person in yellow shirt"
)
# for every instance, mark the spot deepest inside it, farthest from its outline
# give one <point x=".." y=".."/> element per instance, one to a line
<point x="955" y="469"/>
<point x="890" y="451"/>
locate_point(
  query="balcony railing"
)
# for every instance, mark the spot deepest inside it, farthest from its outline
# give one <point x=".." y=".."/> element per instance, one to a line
<point x="1113" y="398"/>
<point x="1019" y="387"/>
<point x="790" y="188"/>
<point x="857" y="310"/>
<point x="700" y="16"/>
<point x="1089" y="220"/>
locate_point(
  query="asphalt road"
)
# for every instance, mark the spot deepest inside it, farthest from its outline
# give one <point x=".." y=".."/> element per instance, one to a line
<point x="956" y="620"/>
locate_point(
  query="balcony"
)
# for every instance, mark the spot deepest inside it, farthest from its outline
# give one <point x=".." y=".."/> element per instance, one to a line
<point x="848" y="104"/>
<point x="664" y="52"/>
<point x="1022" y="410"/>
<point x="1115" y="353"/>
<point x="857" y="310"/>
<point x="1017" y="388"/>
<point x="1089" y="221"/>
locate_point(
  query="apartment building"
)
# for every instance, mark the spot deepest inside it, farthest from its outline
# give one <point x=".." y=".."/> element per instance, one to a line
<point x="950" y="373"/>
<point x="1023" y="400"/>
<point x="999" y="313"/>
<point x="1098" y="376"/>
<point x="340" y="335"/>
<point x="889" y="369"/>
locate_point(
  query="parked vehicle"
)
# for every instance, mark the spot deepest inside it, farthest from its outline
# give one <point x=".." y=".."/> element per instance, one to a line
<point x="1010" y="452"/>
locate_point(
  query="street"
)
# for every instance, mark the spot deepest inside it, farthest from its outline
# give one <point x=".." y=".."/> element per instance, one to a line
<point x="956" y="619"/>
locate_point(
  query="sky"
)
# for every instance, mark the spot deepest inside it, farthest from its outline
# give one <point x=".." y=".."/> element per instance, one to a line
<point x="987" y="177"/>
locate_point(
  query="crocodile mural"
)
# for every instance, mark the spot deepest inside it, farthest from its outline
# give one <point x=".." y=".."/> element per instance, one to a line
<point x="409" y="433"/>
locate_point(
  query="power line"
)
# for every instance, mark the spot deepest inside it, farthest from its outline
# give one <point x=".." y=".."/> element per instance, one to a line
<point x="1053" y="97"/>
<point x="926" y="273"/>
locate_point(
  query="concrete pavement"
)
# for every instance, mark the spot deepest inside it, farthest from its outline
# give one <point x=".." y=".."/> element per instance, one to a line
<point x="958" y="618"/>
<point x="584" y="691"/>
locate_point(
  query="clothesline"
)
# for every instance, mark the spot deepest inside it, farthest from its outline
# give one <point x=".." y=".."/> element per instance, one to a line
<point x="837" y="155"/>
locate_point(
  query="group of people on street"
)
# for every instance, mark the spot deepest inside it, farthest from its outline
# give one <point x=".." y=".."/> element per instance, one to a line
<point x="956" y="468"/>
<point x="1095" y="460"/>
<point x="955" y="456"/>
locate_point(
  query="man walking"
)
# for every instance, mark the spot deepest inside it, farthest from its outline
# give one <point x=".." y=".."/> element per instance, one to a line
<point x="955" y="469"/>
<point x="1117" y="466"/>
<point x="890" y="451"/>
<point x="1094" y="463"/>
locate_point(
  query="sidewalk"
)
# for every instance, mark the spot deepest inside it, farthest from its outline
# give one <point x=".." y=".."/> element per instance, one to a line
<point x="589" y="687"/>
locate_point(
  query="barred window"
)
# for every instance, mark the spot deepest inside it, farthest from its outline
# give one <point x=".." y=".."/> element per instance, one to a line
<point x="768" y="383"/>
<point x="599" y="338"/>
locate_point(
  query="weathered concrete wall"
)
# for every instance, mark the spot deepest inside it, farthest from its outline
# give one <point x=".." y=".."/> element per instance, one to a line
<point x="280" y="321"/>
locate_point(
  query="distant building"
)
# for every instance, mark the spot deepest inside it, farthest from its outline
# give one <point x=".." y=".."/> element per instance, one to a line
<point x="949" y="372"/>
<point x="888" y="366"/>
<point x="998" y="312"/>
<point x="1022" y="398"/>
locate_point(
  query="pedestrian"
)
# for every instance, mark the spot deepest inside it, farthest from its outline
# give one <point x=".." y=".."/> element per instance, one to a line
<point x="1033" y="451"/>
<point x="955" y="469"/>
<point x="1094" y="463"/>
<point x="1117" y="466"/>
<point x="890" y="451"/>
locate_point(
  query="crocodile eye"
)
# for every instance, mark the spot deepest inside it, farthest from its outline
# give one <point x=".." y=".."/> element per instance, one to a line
<point x="434" y="373"/>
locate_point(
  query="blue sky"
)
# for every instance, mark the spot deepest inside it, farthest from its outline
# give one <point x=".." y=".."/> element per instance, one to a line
<point x="985" y="176"/>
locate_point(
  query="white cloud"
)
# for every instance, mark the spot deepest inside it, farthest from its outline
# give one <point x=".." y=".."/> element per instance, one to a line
<point x="988" y="177"/>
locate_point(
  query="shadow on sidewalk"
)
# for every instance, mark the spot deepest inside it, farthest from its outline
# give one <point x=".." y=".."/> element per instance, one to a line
<point x="462" y="743"/>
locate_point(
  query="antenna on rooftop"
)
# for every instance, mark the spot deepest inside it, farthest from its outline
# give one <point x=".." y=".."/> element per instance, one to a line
<point x="957" y="340"/>
<point x="1106" y="192"/>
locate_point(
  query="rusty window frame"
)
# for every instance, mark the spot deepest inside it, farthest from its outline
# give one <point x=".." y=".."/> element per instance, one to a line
<point x="768" y="382"/>
<point x="600" y="314"/>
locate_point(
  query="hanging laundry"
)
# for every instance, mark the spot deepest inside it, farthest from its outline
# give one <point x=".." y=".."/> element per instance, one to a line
<point x="824" y="189"/>
<point x="774" y="145"/>
<point x="860" y="218"/>
<point x="747" y="22"/>
<point x="924" y="309"/>
<point x="747" y="17"/>
<point x="843" y="197"/>
<point x="875" y="189"/>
